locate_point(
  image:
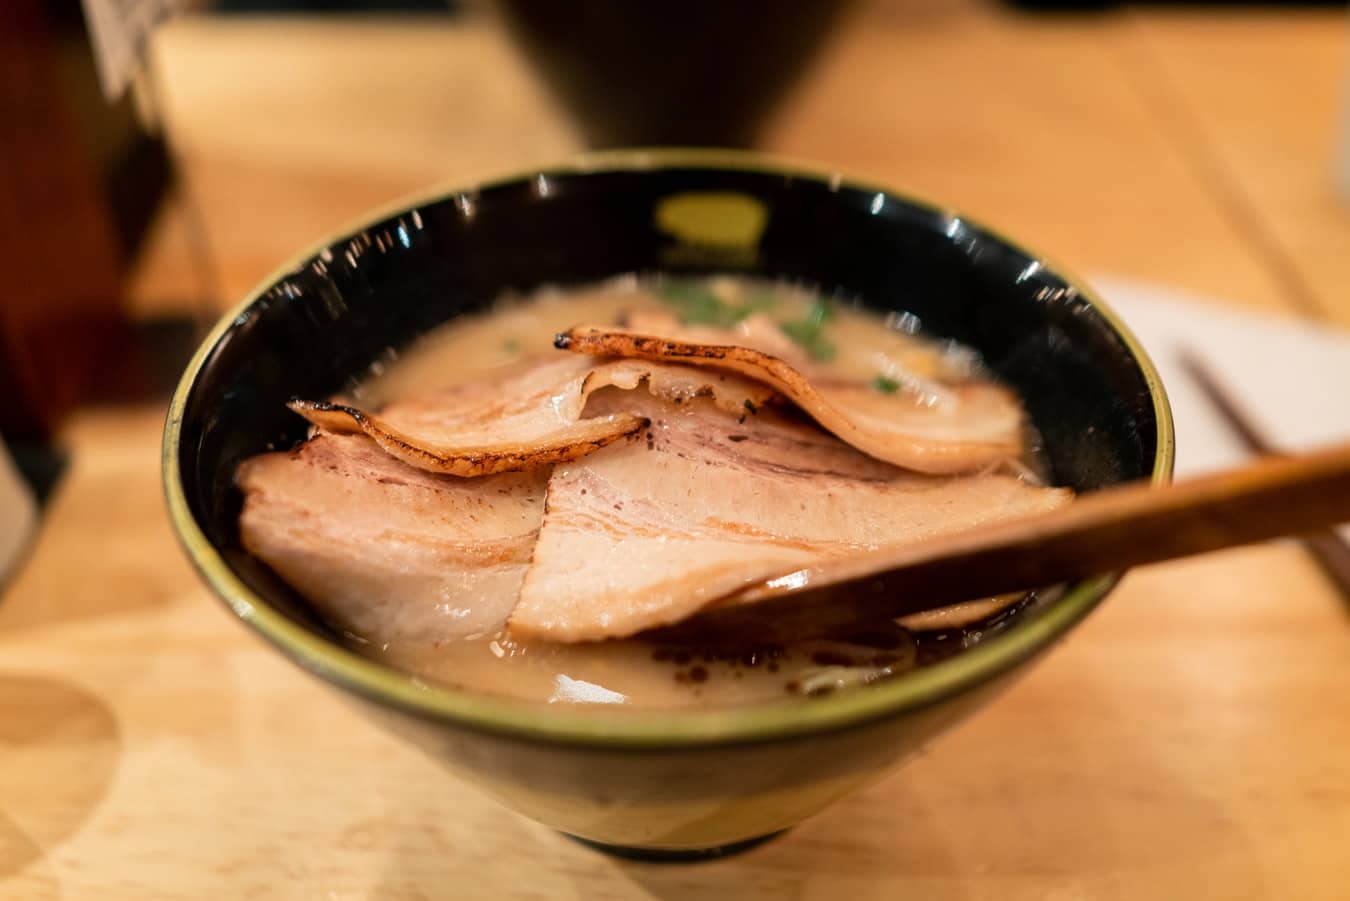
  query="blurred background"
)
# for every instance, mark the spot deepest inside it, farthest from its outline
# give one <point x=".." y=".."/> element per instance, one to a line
<point x="1195" y="145"/>
<point x="1192" y="160"/>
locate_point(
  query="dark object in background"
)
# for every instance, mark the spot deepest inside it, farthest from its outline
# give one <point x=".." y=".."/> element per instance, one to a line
<point x="41" y="467"/>
<point x="334" y="6"/>
<point x="700" y="72"/>
<point x="82" y="180"/>
<point x="1090" y="5"/>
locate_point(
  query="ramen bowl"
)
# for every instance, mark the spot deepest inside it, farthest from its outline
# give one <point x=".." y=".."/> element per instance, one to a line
<point x="674" y="784"/>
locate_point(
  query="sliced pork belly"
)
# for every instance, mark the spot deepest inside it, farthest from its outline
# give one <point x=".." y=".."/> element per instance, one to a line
<point x="678" y="384"/>
<point x="530" y="419"/>
<point x="945" y="428"/>
<point x="526" y="420"/>
<point x="645" y="534"/>
<point x="386" y="551"/>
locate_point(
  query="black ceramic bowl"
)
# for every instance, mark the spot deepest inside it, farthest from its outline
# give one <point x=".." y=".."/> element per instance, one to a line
<point x="661" y="781"/>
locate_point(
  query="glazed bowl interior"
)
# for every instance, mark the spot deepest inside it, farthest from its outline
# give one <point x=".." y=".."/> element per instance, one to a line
<point x="322" y="321"/>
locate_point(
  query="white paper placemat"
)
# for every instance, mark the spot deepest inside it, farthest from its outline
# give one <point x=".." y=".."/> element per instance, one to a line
<point x="1290" y="375"/>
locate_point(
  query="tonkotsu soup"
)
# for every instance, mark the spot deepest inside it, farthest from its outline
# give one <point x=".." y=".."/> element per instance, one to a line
<point x="518" y="502"/>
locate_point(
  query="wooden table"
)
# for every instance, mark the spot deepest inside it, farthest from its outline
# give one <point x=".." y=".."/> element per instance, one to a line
<point x="1190" y="740"/>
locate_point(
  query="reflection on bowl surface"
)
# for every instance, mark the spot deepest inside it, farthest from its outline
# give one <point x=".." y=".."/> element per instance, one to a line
<point x="671" y="780"/>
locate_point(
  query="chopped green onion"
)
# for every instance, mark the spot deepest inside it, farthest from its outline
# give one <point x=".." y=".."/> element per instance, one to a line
<point x="759" y="302"/>
<point x="699" y="305"/>
<point x="696" y="304"/>
<point x="820" y="313"/>
<point x="885" y="384"/>
<point x="511" y="346"/>
<point x="809" y="331"/>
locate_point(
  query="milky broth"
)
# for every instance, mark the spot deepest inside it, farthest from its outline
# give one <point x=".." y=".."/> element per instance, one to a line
<point x="848" y="341"/>
<point x="519" y="329"/>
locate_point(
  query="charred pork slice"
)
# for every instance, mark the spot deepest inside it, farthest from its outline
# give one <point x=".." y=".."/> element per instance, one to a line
<point x="531" y="419"/>
<point x="950" y="428"/>
<point x="646" y="533"/>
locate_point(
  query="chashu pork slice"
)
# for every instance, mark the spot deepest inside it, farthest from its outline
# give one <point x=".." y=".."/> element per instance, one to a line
<point x="387" y="552"/>
<point x="645" y="534"/>
<point x="532" y="418"/>
<point x="944" y="428"/>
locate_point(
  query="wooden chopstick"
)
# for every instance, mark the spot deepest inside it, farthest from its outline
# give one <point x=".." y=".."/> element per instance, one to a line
<point x="1328" y="548"/>
<point x="1102" y="532"/>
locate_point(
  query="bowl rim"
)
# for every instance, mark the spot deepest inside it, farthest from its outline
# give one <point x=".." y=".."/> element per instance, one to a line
<point x="626" y="728"/>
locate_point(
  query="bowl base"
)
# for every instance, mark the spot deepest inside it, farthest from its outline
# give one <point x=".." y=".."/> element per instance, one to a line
<point x="684" y="855"/>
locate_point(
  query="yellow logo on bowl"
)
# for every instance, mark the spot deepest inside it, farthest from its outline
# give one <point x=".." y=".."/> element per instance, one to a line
<point x="718" y="225"/>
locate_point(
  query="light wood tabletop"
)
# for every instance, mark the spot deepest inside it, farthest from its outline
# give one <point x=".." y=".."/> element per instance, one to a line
<point x="1190" y="740"/>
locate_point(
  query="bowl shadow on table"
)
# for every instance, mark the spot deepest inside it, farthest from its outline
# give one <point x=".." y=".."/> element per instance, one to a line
<point x="906" y="834"/>
<point x="71" y="737"/>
